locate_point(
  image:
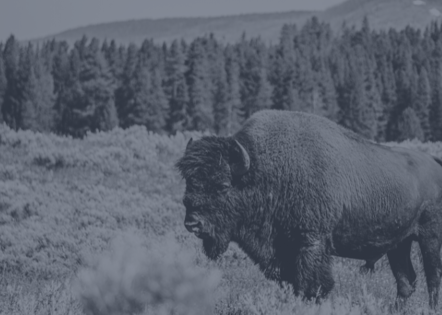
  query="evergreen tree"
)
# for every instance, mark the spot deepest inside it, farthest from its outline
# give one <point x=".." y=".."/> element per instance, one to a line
<point x="148" y="107"/>
<point x="313" y="78"/>
<point x="228" y="109"/>
<point x="373" y="101"/>
<point x="404" y="100"/>
<point x="304" y="81"/>
<point x="60" y="66"/>
<point x="69" y="93"/>
<point x="422" y="102"/>
<point x="105" y="48"/>
<point x="219" y="88"/>
<point x="46" y="53"/>
<point x="3" y="83"/>
<point x="233" y="103"/>
<point x="61" y="77"/>
<point x="405" y="73"/>
<point x="11" y="103"/>
<point x="387" y="88"/>
<point x="221" y="105"/>
<point x="176" y="88"/>
<point x="36" y="93"/>
<point x="114" y="58"/>
<point x="409" y="126"/>
<point x="285" y="96"/>
<point x="28" y="84"/>
<point x="124" y="92"/>
<point x="91" y="105"/>
<point x="200" y="109"/>
<point x="363" y="37"/>
<point x="363" y="111"/>
<point x="435" y="77"/>
<point x="436" y="106"/>
<point x="256" y="91"/>
<point x="324" y="94"/>
<point x="98" y="85"/>
<point x="45" y="97"/>
<point x="341" y="76"/>
<point x="147" y="53"/>
<point x="81" y="46"/>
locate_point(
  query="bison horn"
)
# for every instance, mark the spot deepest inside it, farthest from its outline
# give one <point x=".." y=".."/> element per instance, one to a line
<point x="239" y="159"/>
<point x="189" y="142"/>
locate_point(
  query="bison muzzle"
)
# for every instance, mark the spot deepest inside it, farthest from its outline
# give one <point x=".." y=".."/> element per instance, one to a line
<point x="294" y="189"/>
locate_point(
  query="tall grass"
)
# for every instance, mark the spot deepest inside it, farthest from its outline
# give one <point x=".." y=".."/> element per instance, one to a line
<point x="94" y="226"/>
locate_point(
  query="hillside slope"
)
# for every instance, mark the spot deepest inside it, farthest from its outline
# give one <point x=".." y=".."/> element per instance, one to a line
<point x="382" y="14"/>
<point x="225" y="28"/>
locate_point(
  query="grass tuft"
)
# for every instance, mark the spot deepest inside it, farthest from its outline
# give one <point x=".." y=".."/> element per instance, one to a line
<point x="157" y="278"/>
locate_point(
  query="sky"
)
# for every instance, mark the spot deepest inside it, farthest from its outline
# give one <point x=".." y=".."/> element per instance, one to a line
<point x="28" y="19"/>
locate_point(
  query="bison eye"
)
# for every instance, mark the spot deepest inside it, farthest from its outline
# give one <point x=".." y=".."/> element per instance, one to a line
<point x="225" y="185"/>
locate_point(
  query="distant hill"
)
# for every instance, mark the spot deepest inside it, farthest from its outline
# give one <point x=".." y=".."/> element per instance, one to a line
<point x="225" y="28"/>
<point x="382" y="14"/>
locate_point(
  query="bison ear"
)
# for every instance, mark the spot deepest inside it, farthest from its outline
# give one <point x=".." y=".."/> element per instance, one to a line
<point x="189" y="142"/>
<point x="239" y="159"/>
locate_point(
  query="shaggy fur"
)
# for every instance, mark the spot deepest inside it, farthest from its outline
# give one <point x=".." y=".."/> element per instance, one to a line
<point x="294" y="189"/>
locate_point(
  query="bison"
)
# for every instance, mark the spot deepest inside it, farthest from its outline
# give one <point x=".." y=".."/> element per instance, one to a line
<point x="294" y="189"/>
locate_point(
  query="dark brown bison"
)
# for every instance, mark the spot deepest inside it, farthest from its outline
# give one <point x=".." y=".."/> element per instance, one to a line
<point x="294" y="189"/>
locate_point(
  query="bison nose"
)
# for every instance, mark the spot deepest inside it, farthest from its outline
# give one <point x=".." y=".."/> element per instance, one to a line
<point x="192" y="224"/>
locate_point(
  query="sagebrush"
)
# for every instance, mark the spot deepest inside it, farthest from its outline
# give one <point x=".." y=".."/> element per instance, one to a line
<point x="67" y="207"/>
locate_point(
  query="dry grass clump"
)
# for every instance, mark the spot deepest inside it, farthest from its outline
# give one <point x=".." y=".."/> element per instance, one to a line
<point x="160" y="278"/>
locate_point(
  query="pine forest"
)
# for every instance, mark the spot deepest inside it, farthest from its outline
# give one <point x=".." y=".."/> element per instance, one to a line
<point x="384" y="85"/>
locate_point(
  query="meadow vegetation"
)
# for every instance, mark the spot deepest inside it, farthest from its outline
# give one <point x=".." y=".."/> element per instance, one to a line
<point x="95" y="226"/>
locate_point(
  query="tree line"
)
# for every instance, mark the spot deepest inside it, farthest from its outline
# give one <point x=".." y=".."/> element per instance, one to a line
<point x="385" y="85"/>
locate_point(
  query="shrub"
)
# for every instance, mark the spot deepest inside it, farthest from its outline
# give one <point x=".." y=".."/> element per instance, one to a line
<point x="62" y="199"/>
<point x="159" y="279"/>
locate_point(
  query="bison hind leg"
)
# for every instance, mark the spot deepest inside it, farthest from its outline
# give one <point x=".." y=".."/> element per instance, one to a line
<point x="402" y="268"/>
<point x="430" y="249"/>
<point x="430" y="241"/>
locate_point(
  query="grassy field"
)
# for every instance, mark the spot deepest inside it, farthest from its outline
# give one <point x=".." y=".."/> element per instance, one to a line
<point x="94" y="226"/>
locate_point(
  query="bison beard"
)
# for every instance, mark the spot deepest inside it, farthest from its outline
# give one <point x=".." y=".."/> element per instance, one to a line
<point x="294" y="189"/>
<point x="214" y="247"/>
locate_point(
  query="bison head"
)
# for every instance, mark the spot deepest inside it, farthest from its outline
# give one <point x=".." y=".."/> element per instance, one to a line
<point x="211" y="167"/>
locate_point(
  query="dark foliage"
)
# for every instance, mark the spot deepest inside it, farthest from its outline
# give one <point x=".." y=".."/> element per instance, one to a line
<point x="362" y="79"/>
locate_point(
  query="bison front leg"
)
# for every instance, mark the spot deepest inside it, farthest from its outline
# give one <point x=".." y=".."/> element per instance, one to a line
<point x="313" y="272"/>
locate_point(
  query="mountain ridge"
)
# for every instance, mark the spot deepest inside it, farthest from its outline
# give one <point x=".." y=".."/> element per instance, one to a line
<point x="227" y="27"/>
<point x="382" y="14"/>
